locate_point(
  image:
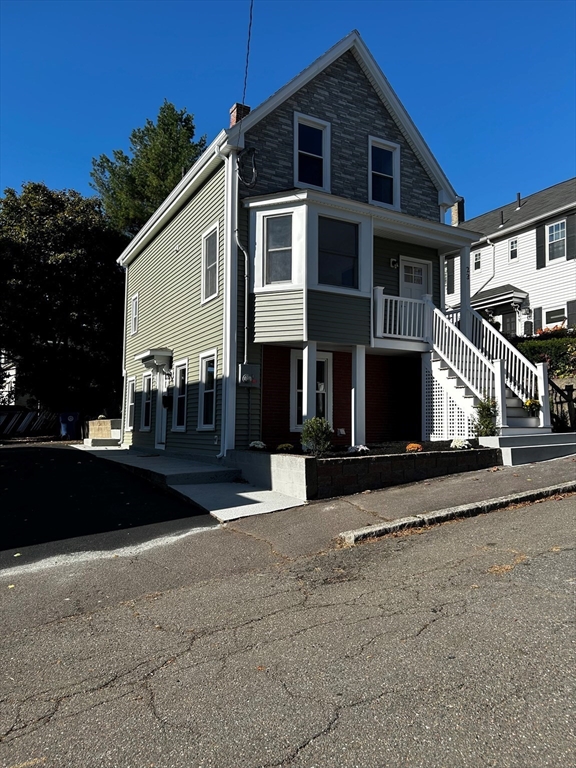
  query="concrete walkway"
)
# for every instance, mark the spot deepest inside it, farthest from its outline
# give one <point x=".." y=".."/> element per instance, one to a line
<point x="218" y="490"/>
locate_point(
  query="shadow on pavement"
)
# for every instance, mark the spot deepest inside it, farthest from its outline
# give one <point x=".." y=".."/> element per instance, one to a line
<point x="53" y="492"/>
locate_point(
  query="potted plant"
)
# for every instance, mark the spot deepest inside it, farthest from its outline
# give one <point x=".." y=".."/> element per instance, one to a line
<point x="532" y="407"/>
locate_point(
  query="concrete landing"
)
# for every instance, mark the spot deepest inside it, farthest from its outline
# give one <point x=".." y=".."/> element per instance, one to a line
<point x="231" y="501"/>
<point x="209" y="486"/>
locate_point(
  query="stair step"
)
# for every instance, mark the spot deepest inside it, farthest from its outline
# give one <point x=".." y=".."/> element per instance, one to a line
<point x="524" y="421"/>
<point x="529" y="439"/>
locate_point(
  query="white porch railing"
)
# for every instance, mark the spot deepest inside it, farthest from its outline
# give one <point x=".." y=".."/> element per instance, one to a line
<point x="521" y="374"/>
<point x="397" y="317"/>
<point x="469" y="364"/>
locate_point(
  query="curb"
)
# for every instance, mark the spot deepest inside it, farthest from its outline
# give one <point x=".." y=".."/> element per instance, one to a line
<point x="350" y="538"/>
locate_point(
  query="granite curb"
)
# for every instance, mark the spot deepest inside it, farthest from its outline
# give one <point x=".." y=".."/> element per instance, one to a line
<point x="350" y="538"/>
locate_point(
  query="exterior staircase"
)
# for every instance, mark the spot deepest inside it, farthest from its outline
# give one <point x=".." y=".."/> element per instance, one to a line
<point x="462" y="370"/>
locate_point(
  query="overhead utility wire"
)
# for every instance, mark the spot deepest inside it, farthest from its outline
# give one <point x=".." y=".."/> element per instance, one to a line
<point x="248" y="154"/>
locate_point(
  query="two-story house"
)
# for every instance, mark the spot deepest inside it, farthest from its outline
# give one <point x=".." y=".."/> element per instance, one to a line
<point x="523" y="268"/>
<point x="298" y="270"/>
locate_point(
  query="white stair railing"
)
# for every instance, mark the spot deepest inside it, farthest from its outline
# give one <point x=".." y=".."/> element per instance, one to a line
<point x="466" y="360"/>
<point x="521" y="375"/>
<point x="398" y="317"/>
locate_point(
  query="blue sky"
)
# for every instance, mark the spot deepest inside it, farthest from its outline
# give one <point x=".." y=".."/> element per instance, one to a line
<point x="491" y="85"/>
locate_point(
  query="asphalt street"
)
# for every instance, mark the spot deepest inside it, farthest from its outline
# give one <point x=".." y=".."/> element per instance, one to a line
<point x="449" y="647"/>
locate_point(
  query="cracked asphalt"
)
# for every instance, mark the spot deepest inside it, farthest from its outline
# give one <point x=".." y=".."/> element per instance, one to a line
<point x="449" y="647"/>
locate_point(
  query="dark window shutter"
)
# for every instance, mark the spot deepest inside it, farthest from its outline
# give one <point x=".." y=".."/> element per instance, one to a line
<point x="540" y="247"/>
<point x="528" y="328"/>
<point x="571" y="312"/>
<point x="537" y="315"/>
<point x="449" y="275"/>
<point x="571" y="236"/>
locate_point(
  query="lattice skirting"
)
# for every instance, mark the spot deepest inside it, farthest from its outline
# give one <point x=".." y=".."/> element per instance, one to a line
<point x="443" y="418"/>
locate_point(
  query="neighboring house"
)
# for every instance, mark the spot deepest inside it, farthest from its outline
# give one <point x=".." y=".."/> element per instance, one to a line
<point x="297" y="270"/>
<point x="523" y="268"/>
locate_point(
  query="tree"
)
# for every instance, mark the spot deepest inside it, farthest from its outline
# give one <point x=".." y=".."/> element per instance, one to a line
<point x="132" y="188"/>
<point x="61" y="298"/>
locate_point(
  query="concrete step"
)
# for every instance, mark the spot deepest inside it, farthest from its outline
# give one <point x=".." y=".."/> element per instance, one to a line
<point x="526" y="422"/>
<point x="528" y="439"/>
<point x="94" y="442"/>
<point x="528" y="454"/>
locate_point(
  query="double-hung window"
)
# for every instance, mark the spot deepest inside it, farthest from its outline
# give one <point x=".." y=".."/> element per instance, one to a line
<point x="323" y="389"/>
<point x="207" y="394"/>
<point x="311" y="152"/>
<point x="556" y="240"/>
<point x="384" y="173"/>
<point x="130" y="403"/>
<point x="146" y="415"/>
<point x="180" y="388"/>
<point x="478" y="261"/>
<point x="134" y="314"/>
<point x="513" y="249"/>
<point x="278" y="253"/>
<point x="210" y="264"/>
<point x="337" y="252"/>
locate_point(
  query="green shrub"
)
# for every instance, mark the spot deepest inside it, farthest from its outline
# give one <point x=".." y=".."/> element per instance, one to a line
<point x="285" y="448"/>
<point x="485" y="423"/>
<point x="558" y="353"/>
<point x="316" y="434"/>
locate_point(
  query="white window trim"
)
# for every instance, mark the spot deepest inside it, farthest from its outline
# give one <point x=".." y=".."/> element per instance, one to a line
<point x="395" y="149"/>
<point x="134" y="315"/>
<point x="127" y="426"/>
<point x="547" y="235"/>
<point x="258" y="248"/>
<point x="477" y="261"/>
<point x="203" y="356"/>
<point x="295" y="355"/>
<point x="554" y="322"/>
<point x="215" y="227"/>
<point x="175" y="367"/>
<point x="324" y="126"/>
<point x="513" y="240"/>
<point x="143" y="427"/>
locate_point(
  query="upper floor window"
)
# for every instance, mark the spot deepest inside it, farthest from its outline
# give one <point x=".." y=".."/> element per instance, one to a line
<point x="179" y="408"/>
<point x="513" y="249"/>
<point x="384" y="173"/>
<point x="134" y="314"/>
<point x="311" y="152"/>
<point x="278" y="255"/>
<point x="478" y="260"/>
<point x="556" y="240"/>
<point x="337" y="252"/>
<point x="210" y="264"/>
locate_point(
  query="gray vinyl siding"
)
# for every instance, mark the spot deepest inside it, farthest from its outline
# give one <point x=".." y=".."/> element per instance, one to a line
<point x="388" y="277"/>
<point x="342" y="96"/>
<point x="167" y="278"/>
<point x="338" y="318"/>
<point x="279" y="316"/>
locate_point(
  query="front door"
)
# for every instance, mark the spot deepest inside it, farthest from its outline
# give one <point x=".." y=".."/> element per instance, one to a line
<point x="161" y="411"/>
<point x="413" y="279"/>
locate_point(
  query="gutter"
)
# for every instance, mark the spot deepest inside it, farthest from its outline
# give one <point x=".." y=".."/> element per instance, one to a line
<point x="522" y="225"/>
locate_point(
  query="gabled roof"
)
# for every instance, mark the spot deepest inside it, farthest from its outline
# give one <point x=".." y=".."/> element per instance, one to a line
<point x="537" y="206"/>
<point x="354" y="43"/>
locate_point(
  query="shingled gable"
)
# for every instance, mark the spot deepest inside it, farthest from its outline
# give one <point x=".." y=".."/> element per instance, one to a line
<point x="354" y="43"/>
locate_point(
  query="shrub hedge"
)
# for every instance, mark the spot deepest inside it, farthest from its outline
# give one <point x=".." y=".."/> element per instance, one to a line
<point x="558" y="353"/>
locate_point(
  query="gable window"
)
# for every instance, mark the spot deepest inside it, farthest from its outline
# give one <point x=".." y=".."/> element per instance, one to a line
<point x="278" y="256"/>
<point x="384" y="173"/>
<point x="130" y="403"/>
<point x="311" y="152"/>
<point x="179" y="407"/>
<point x="134" y="315"/>
<point x="146" y="415"/>
<point x="555" y="316"/>
<point x="323" y="388"/>
<point x="513" y="249"/>
<point x="210" y="264"/>
<point x="556" y="240"/>
<point x="337" y="252"/>
<point x="477" y="260"/>
<point x="207" y="393"/>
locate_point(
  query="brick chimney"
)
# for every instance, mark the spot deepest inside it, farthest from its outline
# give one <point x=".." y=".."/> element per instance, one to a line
<point x="237" y="112"/>
<point x="457" y="212"/>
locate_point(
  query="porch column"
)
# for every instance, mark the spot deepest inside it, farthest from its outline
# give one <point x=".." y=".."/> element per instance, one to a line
<point x="309" y="381"/>
<point x="358" y="395"/>
<point x="465" y="319"/>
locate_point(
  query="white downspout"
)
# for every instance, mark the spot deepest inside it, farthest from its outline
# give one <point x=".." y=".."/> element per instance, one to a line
<point x="124" y="353"/>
